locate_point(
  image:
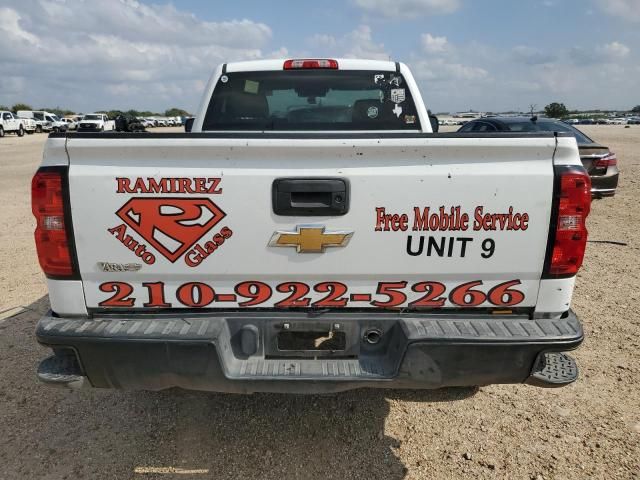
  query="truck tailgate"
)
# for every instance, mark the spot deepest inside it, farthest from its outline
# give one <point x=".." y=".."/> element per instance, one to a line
<point x="188" y="221"/>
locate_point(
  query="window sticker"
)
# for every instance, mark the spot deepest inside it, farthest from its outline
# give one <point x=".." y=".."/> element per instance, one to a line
<point x="395" y="81"/>
<point x="372" y="112"/>
<point x="409" y="119"/>
<point x="397" y="110"/>
<point x="397" y="95"/>
<point x="224" y="79"/>
<point x="251" y="87"/>
<point x="377" y="77"/>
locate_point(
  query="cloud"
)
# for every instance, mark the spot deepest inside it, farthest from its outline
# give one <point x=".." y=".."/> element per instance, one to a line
<point x="10" y="27"/>
<point x="456" y="66"/>
<point x="440" y="70"/>
<point x="628" y="10"/>
<point x="530" y="55"/>
<point x="581" y="56"/>
<point x="137" y="22"/>
<point x="589" y="76"/>
<point x="402" y="9"/>
<point x="615" y="50"/>
<point x="322" y="40"/>
<point x="479" y="76"/>
<point x="11" y="85"/>
<point x="362" y="45"/>
<point x="606" y="53"/>
<point x="358" y="43"/>
<point x="431" y="44"/>
<point x="523" y="86"/>
<point x="119" y="54"/>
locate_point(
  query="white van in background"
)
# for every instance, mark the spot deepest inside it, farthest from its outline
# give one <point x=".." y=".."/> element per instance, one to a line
<point x="45" y="121"/>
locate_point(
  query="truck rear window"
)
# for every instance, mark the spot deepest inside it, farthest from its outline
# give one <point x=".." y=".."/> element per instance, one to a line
<point x="312" y="100"/>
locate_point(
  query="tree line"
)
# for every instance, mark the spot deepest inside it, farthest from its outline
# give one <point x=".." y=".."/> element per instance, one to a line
<point x="62" y="112"/>
<point x="553" y="110"/>
<point x="559" y="110"/>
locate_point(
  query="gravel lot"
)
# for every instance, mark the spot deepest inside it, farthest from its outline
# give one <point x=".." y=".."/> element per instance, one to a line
<point x="588" y="430"/>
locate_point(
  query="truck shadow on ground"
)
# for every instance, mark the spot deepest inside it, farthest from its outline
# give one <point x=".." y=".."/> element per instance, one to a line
<point x="181" y="434"/>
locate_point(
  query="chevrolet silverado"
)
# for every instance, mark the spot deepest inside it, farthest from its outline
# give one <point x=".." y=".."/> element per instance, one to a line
<point x="310" y="234"/>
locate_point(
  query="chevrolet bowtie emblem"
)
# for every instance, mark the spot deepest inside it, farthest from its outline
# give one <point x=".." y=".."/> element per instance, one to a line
<point x="310" y="239"/>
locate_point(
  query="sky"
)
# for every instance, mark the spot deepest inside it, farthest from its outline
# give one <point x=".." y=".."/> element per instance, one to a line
<point x="490" y="55"/>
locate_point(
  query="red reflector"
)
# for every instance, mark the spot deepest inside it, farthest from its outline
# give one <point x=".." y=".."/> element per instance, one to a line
<point x="310" y="63"/>
<point x="607" y="161"/>
<point x="571" y="232"/>
<point x="47" y="205"/>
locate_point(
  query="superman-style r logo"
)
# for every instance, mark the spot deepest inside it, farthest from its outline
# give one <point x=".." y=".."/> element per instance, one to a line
<point x="171" y="225"/>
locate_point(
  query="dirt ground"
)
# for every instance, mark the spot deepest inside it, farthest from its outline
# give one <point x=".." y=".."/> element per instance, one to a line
<point x="590" y="429"/>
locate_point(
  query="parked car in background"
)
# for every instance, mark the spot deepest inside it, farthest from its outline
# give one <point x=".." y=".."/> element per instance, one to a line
<point x="96" y="122"/>
<point x="71" y="123"/>
<point x="30" y="125"/>
<point x="57" y="125"/>
<point x="128" y="123"/>
<point x="39" y="117"/>
<point x="9" y="123"/>
<point x="633" y="121"/>
<point x="598" y="160"/>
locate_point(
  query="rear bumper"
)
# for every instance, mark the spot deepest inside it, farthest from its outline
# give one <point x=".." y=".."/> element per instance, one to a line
<point x="209" y="352"/>
<point x="605" y="185"/>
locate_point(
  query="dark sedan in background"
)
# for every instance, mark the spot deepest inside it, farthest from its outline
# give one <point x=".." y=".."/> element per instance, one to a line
<point x="598" y="160"/>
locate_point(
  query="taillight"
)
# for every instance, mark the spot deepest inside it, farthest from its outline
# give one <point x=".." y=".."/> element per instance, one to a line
<point x="569" y="239"/>
<point x="607" y="161"/>
<point x="47" y="205"/>
<point x="310" y="63"/>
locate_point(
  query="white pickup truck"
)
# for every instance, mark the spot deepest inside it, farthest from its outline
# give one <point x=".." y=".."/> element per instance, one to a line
<point x="10" y="123"/>
<point x="310" y="234"/>
<point x="96" y="122"/>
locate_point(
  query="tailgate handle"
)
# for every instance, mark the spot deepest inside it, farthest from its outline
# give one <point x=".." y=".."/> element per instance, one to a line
<point x="310" y="196"/>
